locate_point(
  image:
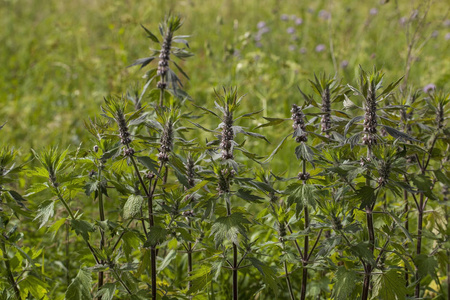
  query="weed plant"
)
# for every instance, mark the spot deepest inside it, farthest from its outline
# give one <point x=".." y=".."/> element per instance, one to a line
<point x="189" y="210"/>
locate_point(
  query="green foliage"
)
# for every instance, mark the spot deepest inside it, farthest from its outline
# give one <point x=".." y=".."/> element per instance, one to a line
<point x="80" y="287"/>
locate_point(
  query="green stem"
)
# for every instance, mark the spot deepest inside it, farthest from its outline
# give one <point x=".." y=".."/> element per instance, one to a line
<point x="102" y="218"/>
<point x="288" y="280"/>
<point x="305" y="247"/>
<point x="9" y="273"/>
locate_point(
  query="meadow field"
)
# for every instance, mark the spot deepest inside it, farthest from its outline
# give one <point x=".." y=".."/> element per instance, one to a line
<point x="224" y="149"/>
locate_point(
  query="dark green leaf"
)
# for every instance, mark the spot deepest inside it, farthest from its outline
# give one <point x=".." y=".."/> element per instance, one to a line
<point x="80" y="288"/>
<point x="345" y="284"/>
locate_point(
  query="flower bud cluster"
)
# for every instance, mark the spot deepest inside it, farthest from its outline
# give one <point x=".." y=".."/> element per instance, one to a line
<point x="370" y="121"/>
<point x="384" y="172"/>
<point x="303" y="176"/>
<point x="188" y="213"/>
<point x="225" y="180"/>
<point x="163" y="65"/>
<point x="281" y="231"/>
<point x="227" y="138"/>
<point x="326" y="110"/>
<point x="128" y="152"/>
<point x="124" y="134"/>
<point x="299" y="124"/>
<point x="166" y="142"/>
<point x="190" y="172"/>
<point x="150" y="175"/>
<point x="440" y="116"/>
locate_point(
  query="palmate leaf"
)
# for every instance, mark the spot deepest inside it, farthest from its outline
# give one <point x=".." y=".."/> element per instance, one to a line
<point x="82" y="228"/>
<point x="80" y="288"/>
<point x="45" y="212"/>
<point x="156" y="235"/>
<point x="345" y="284"/>
<point x="426" y="265"/>
<point x="228" y="228"/>
<point x="390" y="285"/>
<point x="366" y="195"/>
<point x="107" y="291"/>
<point x="199" y="279"/>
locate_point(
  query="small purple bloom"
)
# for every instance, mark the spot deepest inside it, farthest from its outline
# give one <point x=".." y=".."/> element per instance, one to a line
<point x="429" y="88"/>
<point x="403" y="20"/>
<point x="320" y="48"/>
<point x="434" y="34"/>
<point x="298" y="21"/>
<point x="261" y="24"/>
<point x="447" y="23"/>
<point x="344" y="64"/>
<point x="257" y="37"/>
<point x="264" y="30"/>
<point x="284" y="17"/>
<point x="373" y="11"/>
<point x="302" y="50"/>
<point x="414" y="14"/>
<point x="291" y="30"/>
<point x="447" y="36"/>
<point x="291" y="47"/>
<point x="325" y="15"/>
<point x="258" y="44"/>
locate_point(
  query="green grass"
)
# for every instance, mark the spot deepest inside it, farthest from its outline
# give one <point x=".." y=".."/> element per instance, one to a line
<point x="59" y="59"/>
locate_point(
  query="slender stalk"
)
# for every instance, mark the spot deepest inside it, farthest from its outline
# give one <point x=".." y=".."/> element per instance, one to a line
<point x="235" y="272"/>
<point x="419" y="240"/>
<point x="102" y="218"/>
<point x="9" y="273"/>
<point x="371" y="232"/>
<point x="405" y="197"/>
<point x="305" y="247"/>
<point x="67" y="255"/>
<point x="288" y="281"/>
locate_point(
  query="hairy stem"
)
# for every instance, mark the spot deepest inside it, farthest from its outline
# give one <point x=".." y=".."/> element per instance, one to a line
<point x="288" y="281"/>
<point x="305" y="247"/>
<point x="419" y="240"/>
<point x="235" y="272"/>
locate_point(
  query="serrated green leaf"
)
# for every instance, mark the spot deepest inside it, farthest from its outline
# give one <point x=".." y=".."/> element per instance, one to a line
<point x="269" y="276"/>
<point x="390" y="285"/>
<point x="80" y="288"/>
<point x="426" y="265"/>
<point x="366" y="195"/>
<point x="82" y="228"/>
<point x="399" y="135"/>
<point x="45" y="212"/>
<point x="345" y="284"/>
<point x="33" y="285"/>
<point x="228" y="228"/>
<point x="424" y="184"/>
<point x="107" y="291"/>
<point x="247" y="195"/>
<point x="133" y="206"/>
<point x="155" y="235"/>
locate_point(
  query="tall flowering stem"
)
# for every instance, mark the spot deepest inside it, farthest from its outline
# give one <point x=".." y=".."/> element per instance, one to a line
<point x="301" y="136"/>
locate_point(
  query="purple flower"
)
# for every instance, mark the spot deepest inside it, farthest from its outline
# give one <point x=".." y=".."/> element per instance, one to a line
<point x="325" y="15"/>
<point x="284" y="17"/>
<point x="291" y="30"/>
<point x="344" y="64"/>
<point x="298" y="21"/>
<point x="257" y="37"/>
<point x="261" y="25"/>
<point x="403" y="21"/>
<point x="302" y="50"/>
<point x="447" y="36"/>
<point x="373" y="11"/>
<point x="320" y="48"/>
<point x="258" y="44"/>
<point x="434" y="34"/>
<point x="429" y="88"/>
<point x="291" y="47"/>
<point x="447" y="23"/>
<point x="264" y="30"/>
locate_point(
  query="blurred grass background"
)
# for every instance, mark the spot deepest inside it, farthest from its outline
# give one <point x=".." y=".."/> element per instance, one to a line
<point x="60" y="58"/>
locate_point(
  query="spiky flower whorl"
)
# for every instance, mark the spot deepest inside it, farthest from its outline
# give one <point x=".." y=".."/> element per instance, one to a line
<point x="370" y="120"/>
<point x="326" y="110"/>
<point x="227" y="138"/>
<point x="164" y="57"/>
<point x="166" y="142"/>
<point x="299" y="124"/>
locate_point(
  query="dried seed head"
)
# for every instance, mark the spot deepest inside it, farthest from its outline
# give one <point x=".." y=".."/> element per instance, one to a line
<point x="150" y="175"/>
<point x="95" y="148"/>
<point x="227" y="137"/>
<point x="299" y="124"/>
<point x="384" y="172"/>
